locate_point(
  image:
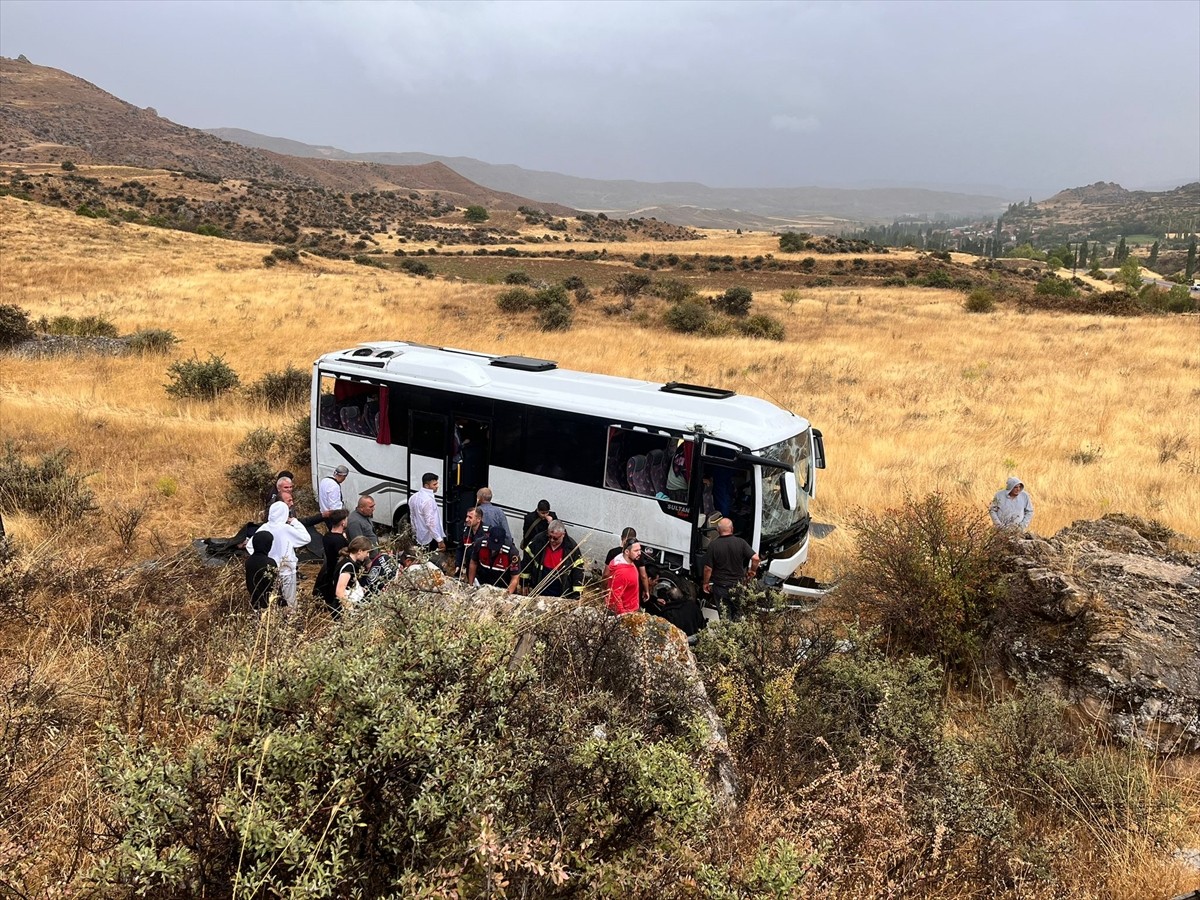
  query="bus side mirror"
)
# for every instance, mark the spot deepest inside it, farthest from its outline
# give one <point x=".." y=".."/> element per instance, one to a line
<point x="818" y="449"/>
<point x="789" y="490"/>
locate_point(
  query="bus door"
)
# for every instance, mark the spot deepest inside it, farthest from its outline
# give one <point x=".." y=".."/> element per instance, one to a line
<point x="727" y="489"/>
<point x="428" y="446"/>
<point x="467" y="470"/>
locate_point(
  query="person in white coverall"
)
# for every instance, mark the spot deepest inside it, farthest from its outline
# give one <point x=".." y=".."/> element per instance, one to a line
<point x="287" y="534"/>
<point x="1011" y="507"/>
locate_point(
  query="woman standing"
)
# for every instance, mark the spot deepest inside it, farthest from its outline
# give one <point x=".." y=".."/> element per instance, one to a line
<point x="347" y="589"/>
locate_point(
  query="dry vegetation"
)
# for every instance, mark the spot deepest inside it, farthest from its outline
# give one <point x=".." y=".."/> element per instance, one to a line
<point x="912" y="393"/>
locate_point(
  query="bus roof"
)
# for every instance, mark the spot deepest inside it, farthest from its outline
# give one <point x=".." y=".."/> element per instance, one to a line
<point x="746" y="421"/>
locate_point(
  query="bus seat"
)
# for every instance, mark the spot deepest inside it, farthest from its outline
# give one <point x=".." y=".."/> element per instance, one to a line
<point x="614" y="476"/>
<point x="656" y="460"/>
<point x="349" y="416"/>
<point x="638" y="475"/>
<point x="329" y="415"/>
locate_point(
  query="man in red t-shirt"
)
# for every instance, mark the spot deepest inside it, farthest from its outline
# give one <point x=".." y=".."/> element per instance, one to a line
<point x="623" y="581"/>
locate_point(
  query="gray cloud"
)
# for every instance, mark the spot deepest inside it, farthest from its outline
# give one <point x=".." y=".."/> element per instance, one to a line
<point x="1033" y="96"/>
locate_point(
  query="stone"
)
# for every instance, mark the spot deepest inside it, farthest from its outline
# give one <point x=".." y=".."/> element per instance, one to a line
<point x="1106" y="615"/>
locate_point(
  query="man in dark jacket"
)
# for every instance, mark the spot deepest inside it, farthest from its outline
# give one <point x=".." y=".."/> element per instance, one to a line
<point x="260" y="572"/>
<point x="553" y="563"/>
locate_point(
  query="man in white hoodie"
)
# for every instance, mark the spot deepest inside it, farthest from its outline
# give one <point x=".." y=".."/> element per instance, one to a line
<point x="287" y="534"/>
<point x="1011" y="507"/>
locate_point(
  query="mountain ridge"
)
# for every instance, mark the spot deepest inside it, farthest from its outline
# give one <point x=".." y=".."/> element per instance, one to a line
<point x="722" y="207"/>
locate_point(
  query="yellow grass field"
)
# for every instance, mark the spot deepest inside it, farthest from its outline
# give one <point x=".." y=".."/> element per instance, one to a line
<point x="913" y="394"/>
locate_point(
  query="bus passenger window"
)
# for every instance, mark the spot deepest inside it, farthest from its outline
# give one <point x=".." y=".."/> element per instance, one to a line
<point x="638" y="461"/>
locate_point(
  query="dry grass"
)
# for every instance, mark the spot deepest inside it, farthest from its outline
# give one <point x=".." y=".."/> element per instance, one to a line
<point x="912" y="393"/>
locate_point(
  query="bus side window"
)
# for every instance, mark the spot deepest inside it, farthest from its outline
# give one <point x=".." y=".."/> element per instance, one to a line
<point x="638" y="461"/>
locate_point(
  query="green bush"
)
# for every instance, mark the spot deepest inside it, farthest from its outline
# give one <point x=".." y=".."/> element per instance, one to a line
<point x="573" y="283"/>
<point x="87" y="326"/>
<point x="149" y="341"/>
<point x="735" y="301"/>
<point x="1053" y="286"/>
<point x="517" y="277"/>
<point x="408" y="753"/>
<point x="46" y="487"/>
<point x="929" y="575"/>
<point x="673" y="290"/>
<point x="980" y="300"/>
<point x="366" y="259"/>
<point x="416" y="267"/>
<point x="762" y="326"/>
<point x="291" y="387"/>
<point x="688" y="316"/>
<point x="555" y="317"/>
<point x="514" y="300"/>
<point x="14" y="325"/>
<point x="476" y="214"/>
<point x="793" y="241"/>
<point x="553" y="295"/>
<point x="201" y="380"/>
<point x="938" y="278"/>
<point x="246" y="479"/>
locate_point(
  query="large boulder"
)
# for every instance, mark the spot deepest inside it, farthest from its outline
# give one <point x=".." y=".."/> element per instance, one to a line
<point x="1106" y="614"/>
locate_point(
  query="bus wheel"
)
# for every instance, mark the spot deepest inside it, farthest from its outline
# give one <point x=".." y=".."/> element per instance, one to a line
<point x="681" y="581"/>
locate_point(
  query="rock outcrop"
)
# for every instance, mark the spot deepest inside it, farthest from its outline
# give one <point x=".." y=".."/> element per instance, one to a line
<point x="1106" y="614"/>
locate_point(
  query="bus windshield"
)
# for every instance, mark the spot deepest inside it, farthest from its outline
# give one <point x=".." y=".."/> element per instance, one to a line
<point x="777" y="519"/>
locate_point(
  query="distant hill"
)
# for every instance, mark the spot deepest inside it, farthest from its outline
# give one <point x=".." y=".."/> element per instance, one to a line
<point x="47" y="115"/>
<point x="686" y="203"/>
<point x="1105" y="210"/>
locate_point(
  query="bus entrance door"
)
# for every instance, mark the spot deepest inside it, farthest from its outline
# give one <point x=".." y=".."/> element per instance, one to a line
<point x="428" y="440"/>
<point x="467" y="472"/>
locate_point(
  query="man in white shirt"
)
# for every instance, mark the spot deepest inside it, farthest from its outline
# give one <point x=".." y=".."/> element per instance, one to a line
<point x="423" y="512"/>
<point x="329" y="492"/>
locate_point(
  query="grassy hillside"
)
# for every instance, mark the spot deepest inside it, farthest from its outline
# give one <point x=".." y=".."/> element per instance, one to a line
<point x="914" y="394"/>
<point x="139" y="698"/>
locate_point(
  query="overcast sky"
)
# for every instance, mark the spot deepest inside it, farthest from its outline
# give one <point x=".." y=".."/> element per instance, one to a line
<point x="1032" y="97"/>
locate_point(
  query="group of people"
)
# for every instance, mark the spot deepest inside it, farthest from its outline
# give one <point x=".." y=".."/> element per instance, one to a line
<point x="545" y="561"/>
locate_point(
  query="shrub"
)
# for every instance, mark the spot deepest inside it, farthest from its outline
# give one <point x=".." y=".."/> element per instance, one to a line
<point x="149" y="341"/>
<point x="790" y="297"/>
<point x="929" y="576"/>
<point x="374" y="262"/>
<point x="416" y="267"/>
<point x="408" y="753"/>
<point x="688" y="316"/>
<point x="476" y="214"/>
<point x="938" y="278"/>
<point x="281" y="389"/>
<point x="44" y="487"/>
<point x="88" y="326"/>
<point x="517" y="276"/>
<point x="792" y="241"/>
<point x="555" y="317"/>
<point x="573" y="283"/>
<point x="630" y="284"/>
<point x="552" y="295"/>
<point x="673" y="290"/>
<point x="980" y="300"/>
<point x="246" y="479"/>
<point x="14" y="325"/>
<point x="762" y="326"/>
<point x="1053" y="286"/>
<point x="514" y="300"/>
<point x="201" y="380"/>
<point x="735" y="301"/>
<point x="808" y="263"/>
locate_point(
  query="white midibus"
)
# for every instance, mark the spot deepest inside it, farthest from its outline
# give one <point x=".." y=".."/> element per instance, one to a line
<point x="606" y="452"/>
